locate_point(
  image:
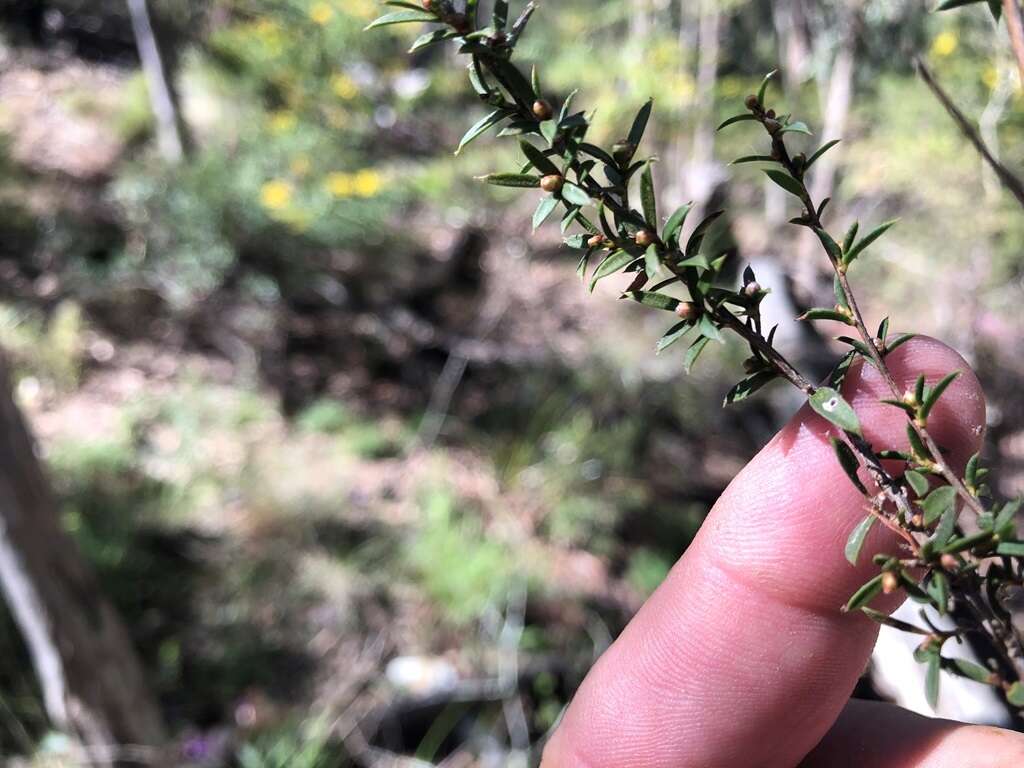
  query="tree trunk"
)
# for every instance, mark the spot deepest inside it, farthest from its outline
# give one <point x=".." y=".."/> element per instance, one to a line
<point x="91" y="681"/>
<point x="170" y="128"/>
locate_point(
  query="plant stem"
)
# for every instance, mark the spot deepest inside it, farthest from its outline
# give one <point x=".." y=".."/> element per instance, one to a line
<point x="1013" y="184"/>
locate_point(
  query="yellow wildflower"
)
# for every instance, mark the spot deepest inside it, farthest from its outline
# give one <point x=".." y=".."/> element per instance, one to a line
<point x="339" y="184"/>
<point x="321" y="13"/>
<point x="276" y="195"/>
<point x="945" y="44"/>
<point x="282" y="122"/>
<point x="344" y="87"/>
<point x="367" y="183"/>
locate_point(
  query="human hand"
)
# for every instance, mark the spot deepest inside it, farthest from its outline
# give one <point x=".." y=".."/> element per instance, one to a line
<point x="742" y="657"/>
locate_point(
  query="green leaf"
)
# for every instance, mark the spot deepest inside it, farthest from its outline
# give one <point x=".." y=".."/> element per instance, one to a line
<point x="753" y="159"/>
<point x="500" y="16"/>
<point x="544" y="210"/>
<point x="511" y="180"/>
<point x="787" y="182"/>
<point x="1006" y="517"/>
<point x="648" y="198"/>
<point x="736" y="119"/>
<point x="656" y="300"/>
<point x="1015" y="694"/>
<point x="636" y="132"/>
<point x="837" y="288"/>
<point x="946" y="529"/>
<point x="918" y="482"/>
<point x="1010" y="548"/>
<point x="538" y="160"/>
<point x="830" y="405"/>
<point x="400" y="17"/>
<point x="858" y="536"/>
<point x="749" y="386"/>
<point x="430" y="38"/>
<point x="675" y="223"/>
<point x="889" y="621"/>
<point x="868" y="239"/>
<point x="848" y="461"/>
<point x="673" y="334"/>
<point x="796" y="128"/>
<point x="481" y="127"/>
<point x="951" y="4"/>
<point x="935" y="393"/>
<point x="694" y="352"/>
<point x="763" y="88"/>
<point x="549" y="130"/>
<point x="819" y="313"/>
<point x="820" y="152"/>
<point x="833" y="249"/>
<point x="851" y="236"/>
<point x="615" y="261"/>
<point x="865" y="594"/>
<point x="931" y="679"/>
<point x="709" y="330"/>
<point x="898" y="342"/>
<point x="917" y="446"/>
<point x="697" y="238"/>
<point x="652" y="262"/>
<point x="575" y="195"/>
<point x="935" y="504"/>
<point x="970" y="670"/>
<point x="938" y="590"/>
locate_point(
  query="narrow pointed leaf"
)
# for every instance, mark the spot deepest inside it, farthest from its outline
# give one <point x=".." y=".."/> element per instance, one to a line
<point x="749" y="386"/>
<point x="612" y="264"/>
<point x="936" y="392"/>
<point x="736" y="119"/>
<point x="867" y="240"/>
<point x="636" y="132"/>
<point x="481" y="127"/>
<point x="400" y="17"/>
<point x="917" y="481"/>
<point x="935" y="504"/>
<point x="524" y="180"/>
<point x="820" y="152"/>
<point x="672" y="335"/>
<point x="855" y="543"/>
<point x="544" y="210"/>
<point x="865" y="594"/>
<point x="831" y="405"/>
<point x="787" y="182"/>
<point x="848" y="461"/>
<point x="648" y="198"/>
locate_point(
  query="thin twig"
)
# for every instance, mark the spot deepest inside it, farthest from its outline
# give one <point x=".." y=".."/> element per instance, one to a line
<point x="1013" y="184"/>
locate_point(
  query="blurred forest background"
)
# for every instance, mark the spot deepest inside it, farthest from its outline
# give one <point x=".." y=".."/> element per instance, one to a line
<point x="365" y="473"/>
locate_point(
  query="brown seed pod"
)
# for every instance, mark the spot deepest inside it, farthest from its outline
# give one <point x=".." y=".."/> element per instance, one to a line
<point x="890" y="582"/>
<point x="688" y="311"/>
<point x="429" y="5"/>
<point x="595" y="242"/>
<point x="949" y="562"/>
<point x="752" y="102"/>
<point x="542" y="110"/>
<point x="552" y="183"/>
<point x="644" y="238"/>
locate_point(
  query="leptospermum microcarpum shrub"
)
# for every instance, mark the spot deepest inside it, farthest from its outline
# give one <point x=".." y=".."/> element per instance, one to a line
<point x="967" y="575"/>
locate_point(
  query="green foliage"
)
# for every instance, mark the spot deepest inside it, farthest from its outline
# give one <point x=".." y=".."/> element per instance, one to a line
<point x="458" y="565"/>
<point x="627" y="239"/>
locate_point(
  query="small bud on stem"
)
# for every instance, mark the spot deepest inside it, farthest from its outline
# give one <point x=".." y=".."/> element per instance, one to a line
<point x="552" y="183"/>
<point x="542" y="110"/>
<point x="890" y="582"/>
<point x="595" y="242"/>
<point x="688" y="311"/>
<point x="644" y="238"/>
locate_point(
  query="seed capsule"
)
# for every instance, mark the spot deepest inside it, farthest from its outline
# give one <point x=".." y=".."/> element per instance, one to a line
<point x="890" y="582"/>
<point x="949" y="562"/>
<point x="552" y="183"/>
<point x="688" y="311"/>
<point x="770" y="114"/>
<point x="750" y="290"/>
<point x="428" y="5"/>
<point x="752" y="103"/>
<point x="542" y="110"/>
<point x="644" y="238"/>
<point x="595" y="242"/>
